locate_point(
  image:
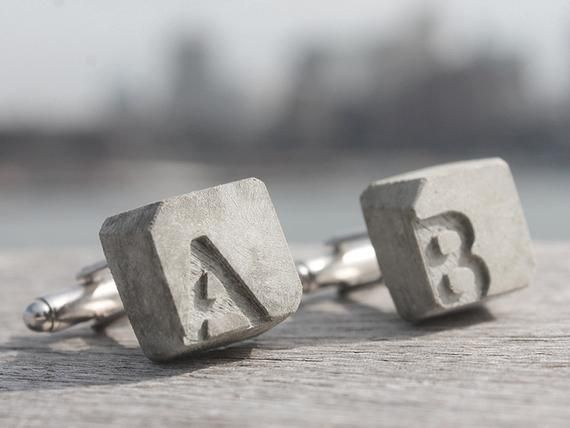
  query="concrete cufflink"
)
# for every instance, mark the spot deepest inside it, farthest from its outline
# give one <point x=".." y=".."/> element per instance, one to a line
<point x="202" y="270"/>
<point x="449" y="236"/>
<point x="199" y="271"/>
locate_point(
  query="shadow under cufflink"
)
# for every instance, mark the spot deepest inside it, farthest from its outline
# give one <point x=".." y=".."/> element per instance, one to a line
<point x="462" y="318"/>
<point x="86" y="357"/>
<point x="367" y="315"/>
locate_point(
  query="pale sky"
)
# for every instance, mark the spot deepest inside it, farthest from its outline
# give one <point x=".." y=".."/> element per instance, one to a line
<point x="60" y="59"/>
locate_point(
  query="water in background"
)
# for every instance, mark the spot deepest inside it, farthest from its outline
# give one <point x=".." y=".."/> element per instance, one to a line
<point x="314" y="200"/>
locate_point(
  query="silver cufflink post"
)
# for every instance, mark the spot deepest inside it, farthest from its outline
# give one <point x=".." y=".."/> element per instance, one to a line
<point x="209" y="268"/>
<point x="347" y="263"/>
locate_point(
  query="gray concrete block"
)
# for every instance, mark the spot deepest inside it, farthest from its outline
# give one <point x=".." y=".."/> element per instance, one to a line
<point x="202" y="270"/>
<point x="449" y="236"/>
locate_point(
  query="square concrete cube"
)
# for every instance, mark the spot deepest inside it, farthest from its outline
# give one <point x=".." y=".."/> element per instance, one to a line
<point x="449" y="236"/>
<point x="202" y="270"/>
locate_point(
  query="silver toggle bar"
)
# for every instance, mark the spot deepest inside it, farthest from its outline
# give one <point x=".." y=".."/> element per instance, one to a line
<point x="347" y="263"/>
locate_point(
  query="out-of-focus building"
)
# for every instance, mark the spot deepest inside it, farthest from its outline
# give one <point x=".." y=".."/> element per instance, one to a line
<point x="395" y="94"/>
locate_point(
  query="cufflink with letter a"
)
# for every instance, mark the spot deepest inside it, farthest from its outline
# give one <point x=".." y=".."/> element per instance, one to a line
<point x="199" y="271"/>
<point x="202" y="270"/>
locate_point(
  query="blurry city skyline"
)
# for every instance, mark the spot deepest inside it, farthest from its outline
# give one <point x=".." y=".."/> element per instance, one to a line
<point x="64" y="63"/>
<point x="397" y="92"/>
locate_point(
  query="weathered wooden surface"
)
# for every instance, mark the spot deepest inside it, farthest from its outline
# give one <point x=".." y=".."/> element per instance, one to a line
<point x="336" y="362"/>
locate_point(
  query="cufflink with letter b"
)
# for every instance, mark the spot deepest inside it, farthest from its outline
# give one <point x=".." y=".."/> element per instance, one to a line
<point x="449" y="236"/>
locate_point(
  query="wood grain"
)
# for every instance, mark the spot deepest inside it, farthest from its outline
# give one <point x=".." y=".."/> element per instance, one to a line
<point x="337" y="362"/>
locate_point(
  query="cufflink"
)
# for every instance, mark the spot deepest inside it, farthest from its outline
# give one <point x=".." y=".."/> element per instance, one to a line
<point x="202" y="270"/>
<point x="448" y="237"/>
<point x="199" y="271"/>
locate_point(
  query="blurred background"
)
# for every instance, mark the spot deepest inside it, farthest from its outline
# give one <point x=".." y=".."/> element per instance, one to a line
<point x="106" y="106"/>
